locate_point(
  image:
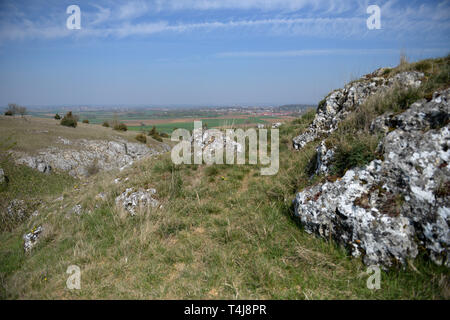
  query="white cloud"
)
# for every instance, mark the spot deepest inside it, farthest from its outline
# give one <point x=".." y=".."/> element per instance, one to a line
<point x="132" y="10"/>
<point x="303" y="53"/>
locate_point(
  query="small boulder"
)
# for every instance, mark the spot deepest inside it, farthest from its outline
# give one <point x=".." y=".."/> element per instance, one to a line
<point x="130" y="200"/>
<point x="31" y="238"/>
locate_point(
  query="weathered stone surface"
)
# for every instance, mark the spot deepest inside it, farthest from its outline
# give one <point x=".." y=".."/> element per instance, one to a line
<point x="85" y="154"/>
<point x="389" y="209"/>
<point x="76" y="209"/>
<point x="131" y="200"/>
<point x="323" y="160"/>
<point x="276" y="125"/>
<point x="31" y="238"/>
<point x="17" y="209"/>
<point x="337" y="105"/>
<point x="205" y="140"/>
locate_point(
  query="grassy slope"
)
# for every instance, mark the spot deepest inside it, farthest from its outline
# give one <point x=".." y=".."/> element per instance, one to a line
<point x="32" y="134"/>
<point x="223" y="232"/>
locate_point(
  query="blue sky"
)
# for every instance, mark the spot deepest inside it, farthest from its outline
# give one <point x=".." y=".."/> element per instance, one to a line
<point x="205" y="52"/>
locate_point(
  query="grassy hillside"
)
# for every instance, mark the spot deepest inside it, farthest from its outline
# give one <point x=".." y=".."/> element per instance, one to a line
<point x="222" y="232"/>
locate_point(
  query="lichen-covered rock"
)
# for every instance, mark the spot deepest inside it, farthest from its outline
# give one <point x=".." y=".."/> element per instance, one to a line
<point x="31" y="238"/>
<point x="323" y="158"/>
<point x="131" y="200"/>
<point x="79" y="156"/>
<point x="389" y="209"/>
<point x="337" y="105"/>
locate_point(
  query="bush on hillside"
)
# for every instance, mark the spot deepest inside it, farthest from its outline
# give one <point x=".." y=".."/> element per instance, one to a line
<point x="85" y="121"/>
<point x="57" y="117"/>
<point x="8" y="113"/>
<point x="69" y="120"/>
<point x="120" y="127"/>
<point x="105" y="124"/>
<point x="141" y="138"/>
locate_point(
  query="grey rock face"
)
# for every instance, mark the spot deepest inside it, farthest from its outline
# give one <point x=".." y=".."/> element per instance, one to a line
<point x="131" y="200"/>
<point x="340" y="103"/>
<point x="389" y="209"/>
<point x="324" y="157"/>
<point x="85" y="154"/>
<point x="31" y="238"/>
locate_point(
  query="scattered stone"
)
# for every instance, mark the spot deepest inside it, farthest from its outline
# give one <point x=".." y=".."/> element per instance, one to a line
<point x="76" y="209"/>
<point x="101" y="196"/>
<point x="31" y="238"/>
<point x="60" y="198"/>
<point x="17" y="209"/>
<point x="276" y="125"/>
<point x="130" y="200"/>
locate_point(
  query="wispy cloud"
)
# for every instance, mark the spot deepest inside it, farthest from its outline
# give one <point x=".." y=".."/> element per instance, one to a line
<point x="317" y="52"/>
<point x="132" y="9"/>
<point x="313" y="18"/>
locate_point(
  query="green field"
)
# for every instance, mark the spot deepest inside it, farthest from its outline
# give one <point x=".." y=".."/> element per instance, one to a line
<point x="210" y="123"/>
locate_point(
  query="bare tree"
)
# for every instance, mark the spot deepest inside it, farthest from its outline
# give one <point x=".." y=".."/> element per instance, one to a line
<point x="14" y="108"/>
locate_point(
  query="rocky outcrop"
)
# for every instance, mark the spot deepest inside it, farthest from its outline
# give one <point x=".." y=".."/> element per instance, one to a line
<point x="337" y="105"/>
<point x="83" y="157"/>
<point x="390" y="209"/>
<point x="31" y="238"/>
<point x="131" y="200"/>
<point x="324" y="157"/>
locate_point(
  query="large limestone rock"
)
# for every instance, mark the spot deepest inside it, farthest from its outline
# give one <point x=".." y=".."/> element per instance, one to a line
<point x="390" y="209"/>
<point x="337" y="105"/>
<point x="82" y="156"/>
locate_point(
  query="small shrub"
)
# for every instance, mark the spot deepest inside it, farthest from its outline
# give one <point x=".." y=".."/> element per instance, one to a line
<point x="57" y="117"/>
<point x="353" y="152"/>
<point x="157" y="137"/>
<point x="8" y="113"/>
<point x="105" y="124"/>
<point x="422" y="66"/>
<point x="85" y="121"/>
<point x="69" y="120"/>
<point x="164" y="135"/>
<point x="120" y="127"/>
<point x="141" y="138"/>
